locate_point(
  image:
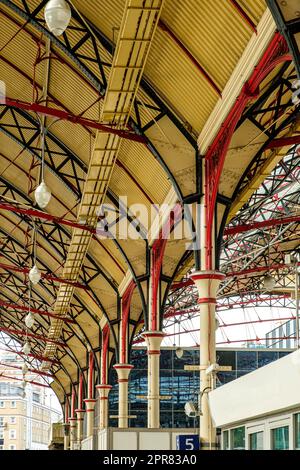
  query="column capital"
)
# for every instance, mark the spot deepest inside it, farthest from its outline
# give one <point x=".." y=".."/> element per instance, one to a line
<point x="103" y="391"/>
<point x="207" y="275"/>
<point x="207" y="283"/>
<point x="90" y="404"/>
<point x="79" y="414"/>
<point x="153" y="340"/>
<point x="123" y="371"/>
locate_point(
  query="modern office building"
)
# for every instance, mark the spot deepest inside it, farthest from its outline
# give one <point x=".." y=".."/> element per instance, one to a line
<point x="266" y="415"/>
<point x="177" y="385"/>
<point x="284" y="336"/>
<point x="25" y="413"/>
<point x="149" y="196"/>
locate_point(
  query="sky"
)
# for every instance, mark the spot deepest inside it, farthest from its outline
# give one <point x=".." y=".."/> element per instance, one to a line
<point x="233" y="333"/>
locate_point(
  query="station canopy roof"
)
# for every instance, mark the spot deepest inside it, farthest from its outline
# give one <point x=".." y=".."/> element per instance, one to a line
<point x="201" y="54"/>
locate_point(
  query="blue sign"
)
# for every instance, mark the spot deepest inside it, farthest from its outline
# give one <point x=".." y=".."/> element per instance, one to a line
<point x="188" y="442"/>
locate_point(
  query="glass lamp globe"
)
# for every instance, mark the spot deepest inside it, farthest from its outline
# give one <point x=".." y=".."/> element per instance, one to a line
<point x="29" y="320"/>
<point x="35" y="275"/>
<point x="42" y="195"/>
<point x="26" y="348"/>
<point x="179" y="352"/>
<point x="57" y="15"/>
<point x="269" y="282"/>
<point x="24" y="368"/>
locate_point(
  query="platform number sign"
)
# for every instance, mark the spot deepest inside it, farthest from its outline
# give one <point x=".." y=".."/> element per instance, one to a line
<point x="188" y="442"/>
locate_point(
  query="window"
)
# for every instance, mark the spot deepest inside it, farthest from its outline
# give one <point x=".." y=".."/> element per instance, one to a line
<point x="1" y="421"/>
<point x="2" y="404"/>
<point x="12" y="447"/>
<point x="1" y="434"/>
<point x="36" y="397"/>
<point x="280" y="438"/>
<point x="246" y="360"/>
<point x="238" y="438"/>
<point x="1" y="447"/>
<point x="12" y="434"/>
<point x="13" y="404"/>
<point x="226" y="440"/>
<point x="256" y="441"/>
<point x="12" y="420"/>
<point x="297" y="431"/>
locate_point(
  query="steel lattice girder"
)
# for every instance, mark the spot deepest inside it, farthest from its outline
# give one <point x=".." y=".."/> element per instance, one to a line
<point x="160" y="109"/>
<point x="69" y="160"/>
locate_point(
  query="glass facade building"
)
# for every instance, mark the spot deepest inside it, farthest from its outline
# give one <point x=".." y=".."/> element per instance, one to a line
<point x="178" y="386"/>
<point x="283" y="336"/>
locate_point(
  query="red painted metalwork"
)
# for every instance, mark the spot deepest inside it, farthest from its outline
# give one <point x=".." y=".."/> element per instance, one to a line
<point x="254" y="340"/>
<point x="195" y="62"/>
<point x="34" y="356"/>
<point x="31" y="335"/>
<point x="180" y="285"/>
<point x="34" y="371"/>
<point x="276" y="53"/>
<point x="27" y="381"/>
<point x="34" y="310"/>
<point x="65" y="116"/>
<point x="73" y="403"/>
<point x="80" y="393"/>
<point x="126" y="301"/>
<point x="91" y="375"/>
<point x="244" y="15"/>
<point x="258" y="269"/>
<point x="48" y="277"/>
<point x="261" y="225"/>
<point x="284" y="141"/>
<point x="104" y="354"/>
<point x="245" y="272"/>
<point x="67" y="410"/>
<point x="44" y="216"/>
<point x="157" y="254"/>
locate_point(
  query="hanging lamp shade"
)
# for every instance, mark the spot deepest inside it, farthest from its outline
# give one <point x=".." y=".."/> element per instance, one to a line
<point x="26" y="348"/>
<point x="179" y="352"/>
<point x="269" y="282"/>
<point x="42" y="195"/>
<point x="24" y="368"/>
<point x="35" y="275"/>
<point x="57" y="16"/>
<point x="29" y="320"/>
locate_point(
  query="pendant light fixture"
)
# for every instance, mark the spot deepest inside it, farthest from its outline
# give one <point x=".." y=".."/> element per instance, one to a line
<point x="57" y="15"/>
<point x="24" y="369"/>
<point x="34" y="273"/>
<point x="42" y="193"/>
<point x="269" y="282"/>
<point x="26" y="348"/>
<point x="29" y="320"/>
